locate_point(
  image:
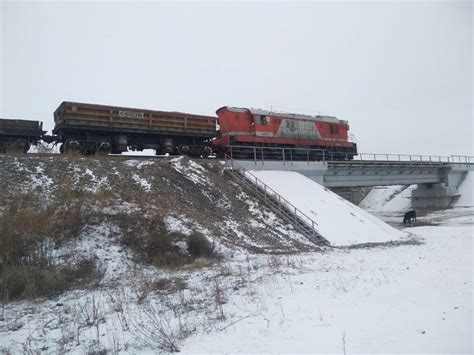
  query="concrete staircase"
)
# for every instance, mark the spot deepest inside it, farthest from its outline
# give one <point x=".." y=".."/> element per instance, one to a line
<point x="275" y="202"/>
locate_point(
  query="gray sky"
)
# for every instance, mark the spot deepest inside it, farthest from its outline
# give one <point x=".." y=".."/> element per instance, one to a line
<point x="400" y="73"/>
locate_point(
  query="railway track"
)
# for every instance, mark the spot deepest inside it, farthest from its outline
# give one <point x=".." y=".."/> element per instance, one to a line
<point x="357" y="162"/>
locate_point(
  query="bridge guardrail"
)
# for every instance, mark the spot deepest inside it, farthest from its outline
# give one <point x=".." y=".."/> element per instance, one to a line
<point x="404" y="158"/>
<point x="262" y="154"/>
<point x="462" y="159"/>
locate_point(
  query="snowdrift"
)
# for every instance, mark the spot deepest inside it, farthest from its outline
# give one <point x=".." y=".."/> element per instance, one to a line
<point x="339" y="221"/>
<point x="396" y="198"/>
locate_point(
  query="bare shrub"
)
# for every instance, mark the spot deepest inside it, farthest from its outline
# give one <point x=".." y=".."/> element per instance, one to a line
<point x="219" y="298"/>
<point x="153" y="244"/>
<point x="201" y="263"/>
<point x="33" y="281"/>
<point x="150" y="241"/>
<point x="199" y="246"/>
<point x="169" y="284"/>
<point x="154" y="329"/>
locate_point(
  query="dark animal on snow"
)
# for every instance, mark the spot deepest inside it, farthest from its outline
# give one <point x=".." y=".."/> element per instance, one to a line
<point x="409" y="217"/>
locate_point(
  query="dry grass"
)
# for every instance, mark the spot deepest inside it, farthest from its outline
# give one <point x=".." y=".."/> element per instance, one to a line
<point x="169" y="285"/>
<point x="30" y="233"/>
<point x="33" y="281"/>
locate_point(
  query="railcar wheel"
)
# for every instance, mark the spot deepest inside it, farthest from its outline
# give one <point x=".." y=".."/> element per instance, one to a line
<point x="104" y="148"/>
<point x="71" y="146"/>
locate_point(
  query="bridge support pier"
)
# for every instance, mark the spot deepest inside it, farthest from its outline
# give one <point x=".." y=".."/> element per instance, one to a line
<point x="432" y="196"/>
<point x="442" y="194"/>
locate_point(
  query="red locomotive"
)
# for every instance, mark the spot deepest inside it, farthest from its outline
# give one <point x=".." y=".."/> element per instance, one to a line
<point x="240" y="127"/>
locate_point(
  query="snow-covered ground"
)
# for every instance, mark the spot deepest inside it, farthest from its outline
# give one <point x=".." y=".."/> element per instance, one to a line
<point x="407" y="299"/>
<point x="339" y="221"/>
<point x="410" y="298"/>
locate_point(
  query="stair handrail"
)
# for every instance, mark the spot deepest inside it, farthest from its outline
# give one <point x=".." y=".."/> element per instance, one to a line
<point x="295" y="210"/>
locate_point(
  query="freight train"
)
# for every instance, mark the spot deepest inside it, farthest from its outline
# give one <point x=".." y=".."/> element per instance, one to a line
<point x="90" y="129"/>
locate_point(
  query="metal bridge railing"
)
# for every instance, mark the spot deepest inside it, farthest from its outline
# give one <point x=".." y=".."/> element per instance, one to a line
<point x="462" y="159"/>
<point x="277" y="203"/>
<point x="404" y="158"/>
<point x="262" y="154"/>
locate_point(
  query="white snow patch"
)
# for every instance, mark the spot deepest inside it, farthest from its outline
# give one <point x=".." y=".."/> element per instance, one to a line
<point x="39" y="179"/>
<point x="138" y="163"/>
<point x="144" y="152"/>
<point x="191" y="170"/>
<point x="178" y="225"/>
<point x="396" y="198"/>
<point x="102" y="241"/>
<point x="144" y="183"/>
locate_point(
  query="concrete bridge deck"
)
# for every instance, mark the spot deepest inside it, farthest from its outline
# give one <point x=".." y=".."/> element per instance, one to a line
<point x="438" y="177"/>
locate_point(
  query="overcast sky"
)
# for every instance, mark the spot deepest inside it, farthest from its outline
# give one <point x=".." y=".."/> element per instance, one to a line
<point x="400" y="73"/>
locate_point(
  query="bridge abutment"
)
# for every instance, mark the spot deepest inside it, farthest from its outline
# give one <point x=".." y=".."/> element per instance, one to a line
<point x="440" y="195"/>
<point x="432" y="196"/>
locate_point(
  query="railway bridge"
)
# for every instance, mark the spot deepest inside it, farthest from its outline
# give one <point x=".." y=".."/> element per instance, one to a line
<point x="437" y="177"/>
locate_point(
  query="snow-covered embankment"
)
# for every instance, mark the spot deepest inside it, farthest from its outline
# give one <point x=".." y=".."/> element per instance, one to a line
<point x="339" y="221"/>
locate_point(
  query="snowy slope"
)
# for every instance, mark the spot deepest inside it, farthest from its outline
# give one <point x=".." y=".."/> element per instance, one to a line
<point x="396" y="198"/>
<point x="339" y="221"/>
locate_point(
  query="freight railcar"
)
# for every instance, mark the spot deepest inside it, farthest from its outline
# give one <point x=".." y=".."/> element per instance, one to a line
<point x="91" y="128"/>
<point x="18" y="135"/>
<point x="241" y="127"/>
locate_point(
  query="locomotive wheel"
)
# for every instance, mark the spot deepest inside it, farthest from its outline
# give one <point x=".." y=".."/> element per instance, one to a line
<point x="206" y="151"/>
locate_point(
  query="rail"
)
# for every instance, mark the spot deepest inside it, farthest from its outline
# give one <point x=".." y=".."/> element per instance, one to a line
<point x="262" y="154"/>
<point x="268" y="193"/>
